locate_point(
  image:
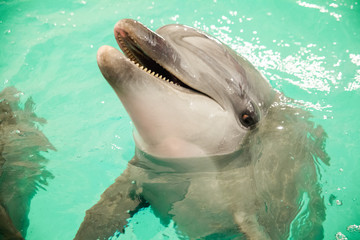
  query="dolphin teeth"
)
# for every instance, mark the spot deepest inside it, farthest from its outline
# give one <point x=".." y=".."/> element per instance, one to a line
<point x="157" y="75"/>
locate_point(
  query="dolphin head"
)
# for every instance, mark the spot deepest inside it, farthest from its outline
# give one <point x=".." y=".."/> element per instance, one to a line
<point x="187" y="94"/>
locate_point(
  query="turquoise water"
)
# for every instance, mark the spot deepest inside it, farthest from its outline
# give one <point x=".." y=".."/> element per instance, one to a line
<point x="309" y="50"/>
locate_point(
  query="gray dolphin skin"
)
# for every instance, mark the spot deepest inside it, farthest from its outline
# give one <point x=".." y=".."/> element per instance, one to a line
<point x="218" y="151"/>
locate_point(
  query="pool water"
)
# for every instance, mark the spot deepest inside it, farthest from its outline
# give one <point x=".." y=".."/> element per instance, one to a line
<point x="308" y="49"/>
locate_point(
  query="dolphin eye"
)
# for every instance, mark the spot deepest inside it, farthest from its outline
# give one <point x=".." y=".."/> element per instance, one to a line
<point x="247" y="119"/>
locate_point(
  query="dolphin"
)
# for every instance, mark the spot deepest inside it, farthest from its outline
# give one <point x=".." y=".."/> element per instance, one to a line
<point x="22" y="165"/>
<point x="218" y="151"/>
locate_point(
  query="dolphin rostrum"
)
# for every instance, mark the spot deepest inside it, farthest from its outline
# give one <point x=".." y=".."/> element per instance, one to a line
<point x="218" y="151"/>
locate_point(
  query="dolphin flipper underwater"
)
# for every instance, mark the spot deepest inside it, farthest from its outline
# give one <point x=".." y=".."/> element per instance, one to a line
<point x="218" y="151"/>
<point x="22" y="166"/>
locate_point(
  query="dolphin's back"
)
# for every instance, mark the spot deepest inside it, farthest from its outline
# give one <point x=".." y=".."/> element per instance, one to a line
<point x="288" y="151"/>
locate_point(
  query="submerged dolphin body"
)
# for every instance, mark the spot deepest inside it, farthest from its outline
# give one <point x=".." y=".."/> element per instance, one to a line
<point x="22" y="165"/>
<point x="217" y="150"/>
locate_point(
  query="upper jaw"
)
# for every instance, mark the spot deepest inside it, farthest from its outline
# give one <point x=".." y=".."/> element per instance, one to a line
<point x="150" y="52"/>
<point x="146" y="49"/>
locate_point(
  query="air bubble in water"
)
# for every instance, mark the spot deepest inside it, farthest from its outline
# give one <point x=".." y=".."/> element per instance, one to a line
<point x="338" y="202"/>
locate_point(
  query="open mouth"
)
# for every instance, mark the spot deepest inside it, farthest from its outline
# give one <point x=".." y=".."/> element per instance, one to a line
<point x="143" y="61"/>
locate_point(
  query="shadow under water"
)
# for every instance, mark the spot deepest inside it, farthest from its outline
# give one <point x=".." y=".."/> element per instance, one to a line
<point x="22" y="167"/>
